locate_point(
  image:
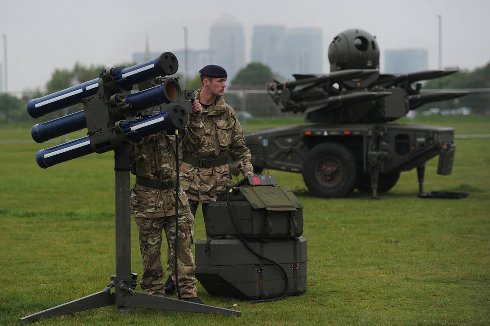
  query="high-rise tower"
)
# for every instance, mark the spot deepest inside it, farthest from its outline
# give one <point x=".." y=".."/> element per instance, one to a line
<point x="268" y="47"/>
<point x="227" y="44"/>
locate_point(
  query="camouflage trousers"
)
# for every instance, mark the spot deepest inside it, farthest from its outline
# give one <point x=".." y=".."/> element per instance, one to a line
<point x="204" y="207"/>
<point x="193" y="207"/>
<point x="150" y="237"/>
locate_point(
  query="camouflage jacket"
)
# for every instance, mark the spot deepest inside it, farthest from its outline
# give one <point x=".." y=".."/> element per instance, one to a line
<point x="215" y="134"/>
<point x="153" y="158"/>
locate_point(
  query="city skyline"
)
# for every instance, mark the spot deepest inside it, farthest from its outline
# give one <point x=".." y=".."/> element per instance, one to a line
<point x="273" y="50"/>
<point x="286" y="51"/>
<point x="53" y="34"/>
<point x="227" y="44"/>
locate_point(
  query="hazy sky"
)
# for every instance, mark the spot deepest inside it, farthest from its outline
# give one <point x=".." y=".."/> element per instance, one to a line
<point x="46" y="34"/>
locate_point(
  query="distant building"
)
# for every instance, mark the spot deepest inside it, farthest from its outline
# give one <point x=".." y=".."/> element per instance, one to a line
<point x="304" y="50"/>
<point x="288" y="51"/>
<point x="268" y="47"/>
<point x="402" y="61"/>
<point x="227" y="45"/>
<point x="285" y="51"/>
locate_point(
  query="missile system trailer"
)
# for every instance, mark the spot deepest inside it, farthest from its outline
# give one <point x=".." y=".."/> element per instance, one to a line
<point x="349" y="139"/>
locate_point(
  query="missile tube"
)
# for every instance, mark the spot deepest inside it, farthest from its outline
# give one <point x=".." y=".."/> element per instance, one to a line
<point x="131" y="130"/>
<point x="165" y="64"/>
<point x="54" y="128"/>
<point x="165" y="93"/>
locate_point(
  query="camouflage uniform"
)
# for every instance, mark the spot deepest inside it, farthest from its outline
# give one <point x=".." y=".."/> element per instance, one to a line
<point x="210" y="138"/>
<point x="153" y="205"/>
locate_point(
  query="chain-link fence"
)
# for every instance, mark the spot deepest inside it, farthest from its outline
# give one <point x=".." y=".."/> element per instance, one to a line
<point x="258" y="104"/>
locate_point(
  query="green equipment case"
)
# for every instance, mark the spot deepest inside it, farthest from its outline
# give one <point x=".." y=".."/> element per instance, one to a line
<point x="225" y="267"/>
<point x="257" y="212"/>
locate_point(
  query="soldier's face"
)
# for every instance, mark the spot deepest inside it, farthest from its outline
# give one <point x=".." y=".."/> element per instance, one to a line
<point x="216" y="86"/>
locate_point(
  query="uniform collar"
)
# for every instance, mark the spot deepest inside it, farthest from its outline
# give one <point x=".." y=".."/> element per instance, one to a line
<point x="217" y="108"/>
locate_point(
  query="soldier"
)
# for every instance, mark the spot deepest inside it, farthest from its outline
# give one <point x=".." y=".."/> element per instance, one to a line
<point x="212" y="135"/>
<point x="153" y="206"/>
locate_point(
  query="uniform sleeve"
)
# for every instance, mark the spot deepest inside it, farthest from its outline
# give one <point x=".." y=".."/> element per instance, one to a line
<point x="193" y="133"/>
<point x="239" y="150"/>
<point x="194" y="130"/>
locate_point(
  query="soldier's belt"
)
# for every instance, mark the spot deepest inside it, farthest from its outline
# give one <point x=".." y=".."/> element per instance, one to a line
<point x="206" y="162"/>
<point x="155" y="184"/>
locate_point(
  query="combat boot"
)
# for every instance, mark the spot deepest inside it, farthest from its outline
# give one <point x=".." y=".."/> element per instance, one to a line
<point x="169" y="286"/>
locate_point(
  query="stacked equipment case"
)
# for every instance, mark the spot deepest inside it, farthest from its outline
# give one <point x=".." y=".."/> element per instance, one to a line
<point x="254" y="248"/>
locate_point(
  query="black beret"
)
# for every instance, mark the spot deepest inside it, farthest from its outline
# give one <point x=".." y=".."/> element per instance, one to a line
<point x="213" y="71"/>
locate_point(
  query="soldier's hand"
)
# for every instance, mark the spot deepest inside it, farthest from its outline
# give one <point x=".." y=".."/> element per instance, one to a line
<point x="196" y="107"/>
<point x="248" y="174"/>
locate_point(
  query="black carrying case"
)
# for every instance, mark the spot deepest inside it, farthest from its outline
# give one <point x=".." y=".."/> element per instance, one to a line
<point x="259" y="212"/>
<point x="225" y="267"/>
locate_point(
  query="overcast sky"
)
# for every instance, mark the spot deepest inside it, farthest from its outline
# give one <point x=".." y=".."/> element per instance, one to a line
<point x="43" y="35"/>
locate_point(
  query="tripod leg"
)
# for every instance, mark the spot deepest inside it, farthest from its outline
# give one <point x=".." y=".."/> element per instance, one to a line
<point x="420" y="177"/>
<point x="142" y="300"/>
<point x="96" y="300"/>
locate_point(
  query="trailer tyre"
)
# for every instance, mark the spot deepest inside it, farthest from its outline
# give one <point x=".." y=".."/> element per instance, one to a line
<point x="386" y="181"/>
<point x="330" y="170"/>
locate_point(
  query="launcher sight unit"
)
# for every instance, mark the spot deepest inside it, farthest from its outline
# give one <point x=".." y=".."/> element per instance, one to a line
<point x="349" y="140"/>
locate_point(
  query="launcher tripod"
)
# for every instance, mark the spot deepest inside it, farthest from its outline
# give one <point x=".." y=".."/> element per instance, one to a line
<point x="120" y="291"/>
<point x="107" y="101"/>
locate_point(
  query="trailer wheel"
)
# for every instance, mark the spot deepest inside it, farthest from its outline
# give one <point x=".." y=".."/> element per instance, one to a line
<point x="386" y="181"/>
<point x="330" y="170"/>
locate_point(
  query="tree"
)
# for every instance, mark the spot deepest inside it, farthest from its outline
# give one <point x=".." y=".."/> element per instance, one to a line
<point x="83" y="74"/>
<point x="11" y="108"/>
<point x="60" y="79"/>
<point x="195" y="83"/>
<point x="478" y="78"/>
<point x="63" y="78"/>
<point x="254" y="74"/>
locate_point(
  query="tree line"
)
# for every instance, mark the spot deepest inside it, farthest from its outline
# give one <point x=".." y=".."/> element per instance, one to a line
<point x="254" y="76"/>
<point x="476" y="81"/>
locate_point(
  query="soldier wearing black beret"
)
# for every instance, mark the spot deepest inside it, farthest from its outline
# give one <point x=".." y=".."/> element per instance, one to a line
<point x="212" y="136"/>
<point x="213" y="71"/>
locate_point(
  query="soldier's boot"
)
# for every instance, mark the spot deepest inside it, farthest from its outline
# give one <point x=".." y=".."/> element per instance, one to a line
<point x="170" y="286"/>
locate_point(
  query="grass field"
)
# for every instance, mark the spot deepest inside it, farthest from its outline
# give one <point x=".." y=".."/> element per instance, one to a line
<point x="398" y="260"/>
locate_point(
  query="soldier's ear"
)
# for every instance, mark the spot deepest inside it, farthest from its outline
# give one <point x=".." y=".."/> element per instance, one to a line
<point x="206" y="81"/>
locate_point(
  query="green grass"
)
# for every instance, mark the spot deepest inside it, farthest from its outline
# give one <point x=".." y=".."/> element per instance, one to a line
<point x="398" y="260"/>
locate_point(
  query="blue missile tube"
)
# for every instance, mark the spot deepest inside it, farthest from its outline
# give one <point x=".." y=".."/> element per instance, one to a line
<point x="131" y="130"/>
<point x="135" y="130"/>
<point x="63" y="152"/>
<point x="164" y="93"/>
<point x="54" y="128"/>
<point x="40" y="106"/>
<point x="165" y="64"/>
